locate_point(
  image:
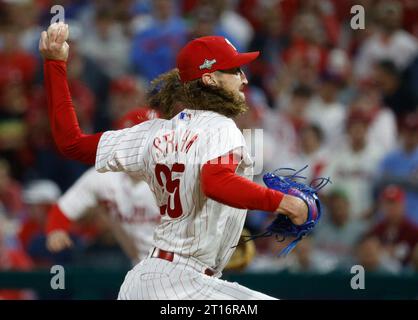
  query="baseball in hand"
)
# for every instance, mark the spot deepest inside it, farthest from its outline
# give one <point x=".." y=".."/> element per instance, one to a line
<point x="53" y="42"/>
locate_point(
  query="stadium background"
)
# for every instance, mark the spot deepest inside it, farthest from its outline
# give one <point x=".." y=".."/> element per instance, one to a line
<point x="343" y="101"/>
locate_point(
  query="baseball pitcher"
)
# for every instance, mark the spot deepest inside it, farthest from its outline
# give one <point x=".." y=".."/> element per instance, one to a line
<point x="196" y="164"/>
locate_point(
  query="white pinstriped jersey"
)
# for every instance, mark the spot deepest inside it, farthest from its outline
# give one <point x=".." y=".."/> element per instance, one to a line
<point x="130" y="203"/>
<point x="169" y="154"/>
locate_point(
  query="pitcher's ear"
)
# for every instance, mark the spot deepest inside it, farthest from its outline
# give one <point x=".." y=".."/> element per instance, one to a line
<point x="208" y="79"/>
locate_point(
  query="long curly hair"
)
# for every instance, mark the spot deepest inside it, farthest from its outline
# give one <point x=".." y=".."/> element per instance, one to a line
<point x="168" y="94"/>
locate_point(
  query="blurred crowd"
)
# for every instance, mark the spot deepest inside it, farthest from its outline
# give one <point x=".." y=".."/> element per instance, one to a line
<point x="342" y="101"/>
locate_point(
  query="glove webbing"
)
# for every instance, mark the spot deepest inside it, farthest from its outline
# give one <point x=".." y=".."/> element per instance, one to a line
<point x="267" y="234"/>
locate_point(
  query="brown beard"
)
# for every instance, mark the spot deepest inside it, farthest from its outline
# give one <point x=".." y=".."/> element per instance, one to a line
<point x="167" y="93"/>
<point x="202" y="97"/>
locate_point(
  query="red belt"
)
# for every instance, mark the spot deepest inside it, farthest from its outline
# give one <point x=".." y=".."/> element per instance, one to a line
<point x="169" y="256"/>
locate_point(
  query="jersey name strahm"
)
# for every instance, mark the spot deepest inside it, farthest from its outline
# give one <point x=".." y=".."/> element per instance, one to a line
<point x="165" y="143"/>
<point x="207" y="64"/>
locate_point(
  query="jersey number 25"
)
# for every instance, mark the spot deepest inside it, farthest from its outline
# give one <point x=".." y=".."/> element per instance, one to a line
<point x="172" y="186"/>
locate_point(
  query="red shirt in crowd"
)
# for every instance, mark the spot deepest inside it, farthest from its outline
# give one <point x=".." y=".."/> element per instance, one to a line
<point x="402" y="237"/>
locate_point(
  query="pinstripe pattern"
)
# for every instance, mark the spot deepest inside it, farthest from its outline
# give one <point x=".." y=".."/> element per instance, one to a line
<point x="162" y="280"/>
<point x="204" y="234"/>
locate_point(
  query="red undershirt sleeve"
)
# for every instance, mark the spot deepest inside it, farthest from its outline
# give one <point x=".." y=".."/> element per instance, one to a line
<point x="69" y="139"/>
<point x="57" y="220"/>
<point x="220" y="183"/>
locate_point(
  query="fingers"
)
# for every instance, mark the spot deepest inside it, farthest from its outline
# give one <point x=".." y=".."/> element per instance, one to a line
<point x="60" y="38"/>
<point x="52" y="43"/>
<point x="43" y="41"/>
<point x="53" y="32"/>
<point x="63" y="34"/>
<point x="57" y="34"/>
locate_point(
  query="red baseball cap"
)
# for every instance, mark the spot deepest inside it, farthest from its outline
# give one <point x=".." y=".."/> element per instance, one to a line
<point x="134" y="117"/>
<point x="393" y="193"/>
<point x="209" y="54"/>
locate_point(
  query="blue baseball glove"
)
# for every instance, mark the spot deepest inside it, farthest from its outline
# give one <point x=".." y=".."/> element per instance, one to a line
<point x="282" y="227"/>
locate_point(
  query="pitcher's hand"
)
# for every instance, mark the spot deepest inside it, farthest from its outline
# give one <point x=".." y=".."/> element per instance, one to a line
<point x="53" y="43"/>
<point x="295" y="208"/>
